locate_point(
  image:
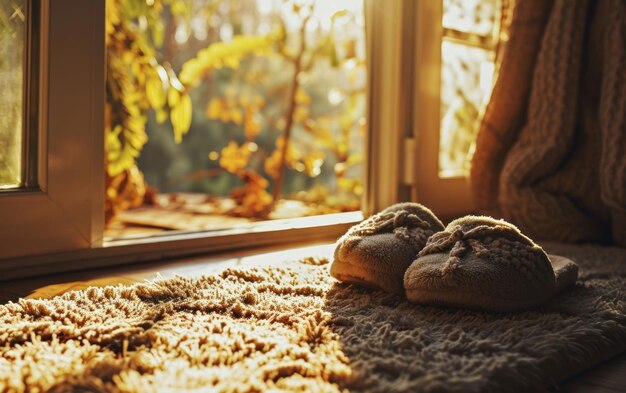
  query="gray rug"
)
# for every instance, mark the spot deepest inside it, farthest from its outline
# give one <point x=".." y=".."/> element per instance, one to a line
<point x="292" y="327"/>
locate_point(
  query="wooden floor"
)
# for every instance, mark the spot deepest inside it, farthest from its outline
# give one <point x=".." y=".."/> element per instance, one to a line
<point x="608" y="377"/>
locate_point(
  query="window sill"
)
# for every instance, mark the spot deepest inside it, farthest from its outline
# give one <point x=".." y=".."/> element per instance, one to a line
<point x="179" y="244"/>
<point x="50" y="286"/>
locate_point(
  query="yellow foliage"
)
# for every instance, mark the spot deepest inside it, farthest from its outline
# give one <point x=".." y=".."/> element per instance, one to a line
<point x="234" y="158"/>
<point x="236" y="116"/>
<point x="227" y="109"/>
<point x="224" y="110"/>
<point x="252" y="122"/>
<point x="136" y="83"/>
<point x="123" y="191"/>
<point x="252" y="126"/>
<point x="300" y="114"/>
<point x="161" y="115"/>
<point x="214" y="109"/>
<point x="313" y="163"/>
<point x="350" y="185"/>
<point x="310" y="164"/>
<point x="125" y="133"/>
<point x="355" y="159"/>
<point x="181" y="116"/>
<point x="272" y="163"/>
<point x="251" y="198"/>
<point x="173" y="96"/>
<point x="322" y="135"/>
<point x="155" y="92"/>
<point x="121" y="156"/>
<point x="225" y="54"/>
<point x="112" y="11"/>
<point x="302" y="98"/>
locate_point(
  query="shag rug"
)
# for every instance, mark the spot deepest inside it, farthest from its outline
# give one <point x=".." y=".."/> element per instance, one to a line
<point x="293" y="327"/>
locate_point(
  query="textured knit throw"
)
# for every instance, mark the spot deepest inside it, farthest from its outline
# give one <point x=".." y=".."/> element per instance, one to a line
<point x="551" y="152"/>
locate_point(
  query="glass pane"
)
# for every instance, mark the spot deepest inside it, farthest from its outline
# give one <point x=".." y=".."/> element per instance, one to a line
<point x="12" y="50"/>
<point x="225" y="112"/>
<point x="471" y="16"/>
<point x="465" y="82"/>
<point x="467" y="66"/>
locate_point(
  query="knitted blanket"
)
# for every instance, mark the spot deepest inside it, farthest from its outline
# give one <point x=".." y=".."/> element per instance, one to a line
<point x="551" y="152"/>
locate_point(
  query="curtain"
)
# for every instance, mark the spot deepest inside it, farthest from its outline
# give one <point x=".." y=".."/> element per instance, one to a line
<point x="551" y="150"/>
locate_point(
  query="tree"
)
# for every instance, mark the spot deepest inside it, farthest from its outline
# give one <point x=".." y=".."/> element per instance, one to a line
<point x="139" y="82"/>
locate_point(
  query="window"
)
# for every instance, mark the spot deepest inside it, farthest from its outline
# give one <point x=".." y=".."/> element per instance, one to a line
<point x="468" y="51"/>
<point x="456" y="48"/>
<point x="222" y="113"/>
<point x="13" y="24"/>
<point x="50" y="209"/>
<point x="52" y="215"/>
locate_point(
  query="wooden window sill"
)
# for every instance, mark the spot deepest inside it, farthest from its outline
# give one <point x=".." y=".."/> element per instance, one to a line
<point x="57" y="284"/>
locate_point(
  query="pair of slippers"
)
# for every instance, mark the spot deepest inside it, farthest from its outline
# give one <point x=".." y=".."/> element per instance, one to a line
<point x="475" y="262"/>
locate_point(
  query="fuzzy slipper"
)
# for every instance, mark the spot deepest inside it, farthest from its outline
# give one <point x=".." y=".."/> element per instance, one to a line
<point x="488" y="264"/>
<point x="376" y="252"/>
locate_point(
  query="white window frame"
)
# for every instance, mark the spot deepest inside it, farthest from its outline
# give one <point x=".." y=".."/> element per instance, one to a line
<point x="69" y="237"/>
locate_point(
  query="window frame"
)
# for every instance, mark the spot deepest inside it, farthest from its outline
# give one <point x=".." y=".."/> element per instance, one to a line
<point x="404" y="117"/>
<point x="389" y="103"/>
<point x="64" y="99"/>
<point x="72" y="79"/>
<point x="396" y="142"/>
<point x="448" y="197"/>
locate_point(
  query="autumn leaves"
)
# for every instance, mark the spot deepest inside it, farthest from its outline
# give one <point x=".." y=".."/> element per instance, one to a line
<point x="274" y="126"/>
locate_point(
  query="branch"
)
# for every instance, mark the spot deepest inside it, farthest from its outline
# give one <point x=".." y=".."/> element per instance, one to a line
<point x="295" y="84"/>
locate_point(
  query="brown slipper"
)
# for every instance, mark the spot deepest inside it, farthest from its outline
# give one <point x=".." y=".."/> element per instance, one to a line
<point x="488" y="264"/>
<point x="376" y="252"/>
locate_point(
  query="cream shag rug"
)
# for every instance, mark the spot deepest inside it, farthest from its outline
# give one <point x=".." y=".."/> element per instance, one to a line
<point x="295" y="328"/>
